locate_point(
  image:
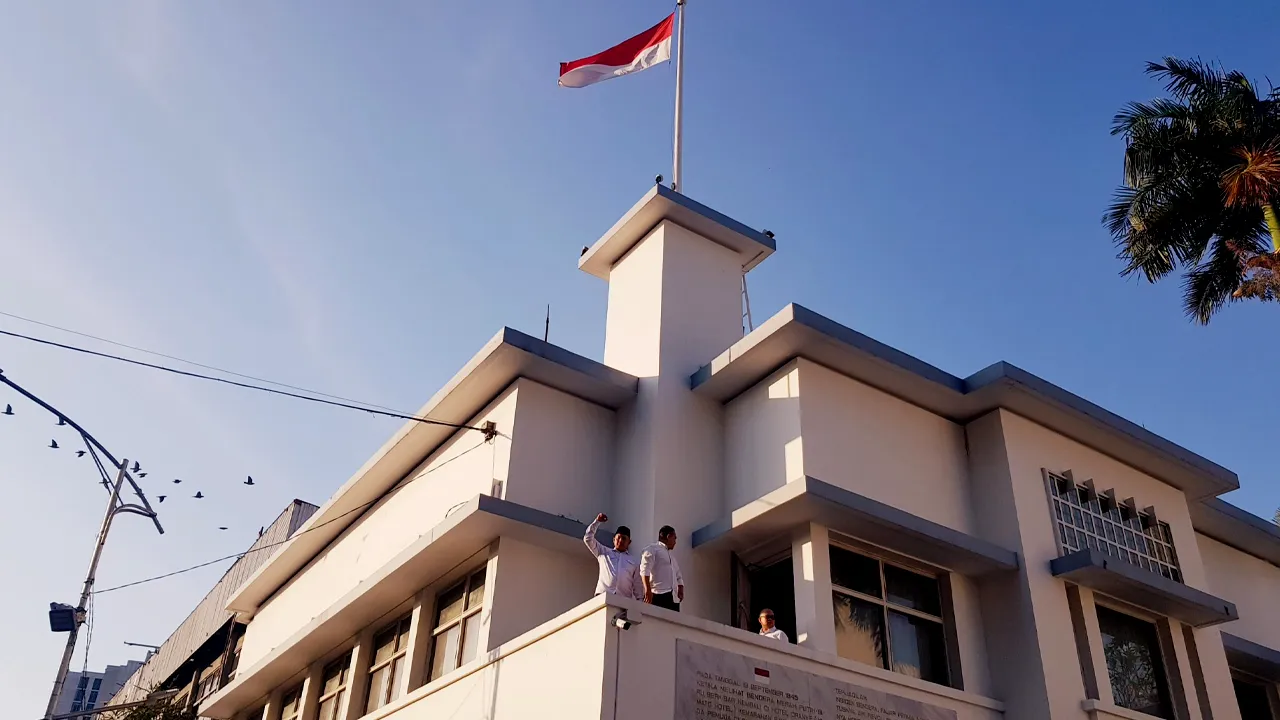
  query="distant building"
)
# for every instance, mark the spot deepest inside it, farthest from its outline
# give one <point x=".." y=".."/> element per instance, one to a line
<point x="990" y="547"/>
<point x="202" y="653"/>
<point x="86" y="691"/>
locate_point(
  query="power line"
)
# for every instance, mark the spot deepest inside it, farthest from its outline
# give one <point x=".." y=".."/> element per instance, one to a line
<point x="237" y="556"/>
<point x="190" y="362"/>
<point x="488" y="431"/>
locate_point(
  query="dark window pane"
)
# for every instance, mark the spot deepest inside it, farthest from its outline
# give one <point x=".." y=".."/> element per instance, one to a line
<point x="1252" y="700"/>
<point x="402" y="642"/>
<point x="859" y="630"/>
<point x="911" y="590"/>
<point x="476" y="595"/>
<point x="855" y="572"/>
<point x="1133" y="658"/>
<point x="335" y="675"/>
<point x="450" y="605"/>
<point x="384" y="645"/>
<point x="919" y="648"/>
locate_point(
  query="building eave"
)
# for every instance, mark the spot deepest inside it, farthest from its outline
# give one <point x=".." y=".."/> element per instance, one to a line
<point x="1242" y="530"/>
<point x="663" y="203"/>
<point x="507" y="357"/>
<point x="462" y="534"/>
<point x="797" y="332"/>
<point x="808" y="500"/>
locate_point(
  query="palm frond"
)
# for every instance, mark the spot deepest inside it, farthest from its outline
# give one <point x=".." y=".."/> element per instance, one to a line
<point x="1187" y="79"/>
<point x="1212" y="284"/>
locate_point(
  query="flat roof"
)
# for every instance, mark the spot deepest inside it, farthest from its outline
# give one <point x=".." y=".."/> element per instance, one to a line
<point x="508" y="356"/>
<point x="797" y="332"/>
<point x="462" y="534"/>
<point x="663" y="203"/>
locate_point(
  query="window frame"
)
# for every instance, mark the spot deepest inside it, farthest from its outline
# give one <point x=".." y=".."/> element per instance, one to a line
<point x="344" y="681"/>
<point x="402" y="627"/>
<point x="459" y="622"/>
<point x="296" y="692"/>
<point x="937" y="575"/>
<point x="1161" y="660"/>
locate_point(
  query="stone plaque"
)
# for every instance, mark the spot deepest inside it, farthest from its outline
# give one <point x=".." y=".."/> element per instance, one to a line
<point x="713" y="684"/>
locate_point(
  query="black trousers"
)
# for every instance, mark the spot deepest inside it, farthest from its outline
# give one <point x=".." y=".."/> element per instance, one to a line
<point x="666" y="600"/>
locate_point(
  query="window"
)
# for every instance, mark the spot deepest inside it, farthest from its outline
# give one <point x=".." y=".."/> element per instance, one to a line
<point x="76" y="707"/>
<point x="1090" y="520"/>
<point x="1132" y="650"/>
<point x="387" y="666"/>
<point x="333" y="685"/>
<point x="1252" y="698"/>
<point x="457" y="634"/>
<point x="888" y="616"/>
<point x="208" y="684"/>
<point x="291" y="704"/>
<point x="97" y="683"/>
<point x="93" y="700"/>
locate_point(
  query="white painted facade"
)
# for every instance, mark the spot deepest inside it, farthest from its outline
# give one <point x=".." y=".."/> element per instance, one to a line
<point x="764" y="452"/>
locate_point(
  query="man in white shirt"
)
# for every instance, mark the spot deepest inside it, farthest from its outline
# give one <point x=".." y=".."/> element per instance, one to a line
<point x="663" y="583"/>
<point x="769" y="629"/>
<point x="619" y="571"/>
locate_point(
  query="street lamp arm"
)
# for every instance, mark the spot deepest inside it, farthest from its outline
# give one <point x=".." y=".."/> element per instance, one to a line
<point x="57" y="413"/>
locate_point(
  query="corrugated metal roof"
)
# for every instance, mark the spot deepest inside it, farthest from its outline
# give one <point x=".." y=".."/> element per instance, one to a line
<point x="211" y="614"/>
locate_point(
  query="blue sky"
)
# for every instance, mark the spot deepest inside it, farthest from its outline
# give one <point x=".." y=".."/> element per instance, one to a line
<point x="355" y="197"/>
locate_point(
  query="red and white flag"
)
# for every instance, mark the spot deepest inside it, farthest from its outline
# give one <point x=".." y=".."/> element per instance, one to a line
<point x="641" y="52"/>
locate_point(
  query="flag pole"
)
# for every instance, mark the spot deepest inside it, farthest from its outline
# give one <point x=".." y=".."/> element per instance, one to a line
<point x="676" y="183"/>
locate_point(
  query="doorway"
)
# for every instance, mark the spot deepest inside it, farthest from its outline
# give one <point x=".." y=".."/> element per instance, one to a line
<point x="757" y="587"/>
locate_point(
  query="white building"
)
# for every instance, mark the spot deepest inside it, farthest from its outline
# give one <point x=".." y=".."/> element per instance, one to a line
<point x="934" y="546"/>
<point x="89" y="690"/>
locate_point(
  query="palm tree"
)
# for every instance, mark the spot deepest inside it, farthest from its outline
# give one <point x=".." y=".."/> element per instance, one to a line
<point x="1201" y="186"/>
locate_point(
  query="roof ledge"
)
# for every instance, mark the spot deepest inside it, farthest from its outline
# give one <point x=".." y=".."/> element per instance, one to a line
<point x="663" y="203"/>
<point x="1130" y="583"/>
<point x="811" y="500"/>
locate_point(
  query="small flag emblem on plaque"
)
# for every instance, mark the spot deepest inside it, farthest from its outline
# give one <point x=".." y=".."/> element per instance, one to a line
<point x="762" y="676"/>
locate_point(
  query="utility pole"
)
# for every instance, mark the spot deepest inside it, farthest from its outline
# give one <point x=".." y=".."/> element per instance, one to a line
<point x="70" y="650"/>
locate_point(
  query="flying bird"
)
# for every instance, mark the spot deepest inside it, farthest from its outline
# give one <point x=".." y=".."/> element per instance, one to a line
<point x="8" y="409"/>
<point x="176" y="481"/>
<point x="136" y="466"/>
<point x="221" y="528"/>
<point x="161" y="497"/>
<point x="249" y="481"/>
<point x="61" y="421"/>
<point x="53" y="444"/>
<point x="142" y="475"/>
<point x="80" y="453"/>
<point x="199" y="495"/>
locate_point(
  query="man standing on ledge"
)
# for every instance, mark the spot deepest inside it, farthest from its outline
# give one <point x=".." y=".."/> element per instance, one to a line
<point x="619" y="572"/>
<point x="663" y="583"/>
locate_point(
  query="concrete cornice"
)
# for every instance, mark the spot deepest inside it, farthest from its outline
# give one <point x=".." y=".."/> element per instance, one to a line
<point x="507" y="357"/>
<point x="797" y="332"/>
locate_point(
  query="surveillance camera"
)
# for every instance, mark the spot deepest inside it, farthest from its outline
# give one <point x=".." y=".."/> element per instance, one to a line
<point x="622" y="622"/>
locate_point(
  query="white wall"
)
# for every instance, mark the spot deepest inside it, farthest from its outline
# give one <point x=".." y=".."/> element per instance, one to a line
<point x="1251" y="583"/>
<point x="558" y="676"/>
<point x="1030" y="448"/>
<point x="462" y="468"/>
<point x="532" y="585"/>
<point x="879" y="446"/>
<point x="763" y="446"/>
<point x="563" y="462"/>
<point x="646" y="684"/>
